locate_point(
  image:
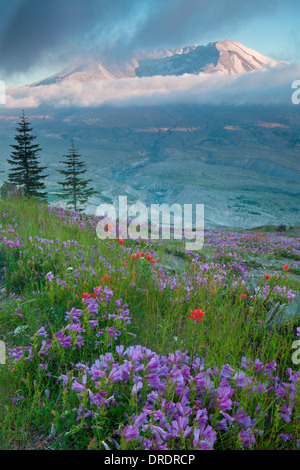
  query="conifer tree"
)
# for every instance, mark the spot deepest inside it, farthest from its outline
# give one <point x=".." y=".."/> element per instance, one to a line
<point x="75" y="188"/>
<point x="26" y="170"/>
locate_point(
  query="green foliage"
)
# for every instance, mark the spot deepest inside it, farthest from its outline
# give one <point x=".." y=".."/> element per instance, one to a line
<point x="26" y="169"/>
<point x="75" y="188"/>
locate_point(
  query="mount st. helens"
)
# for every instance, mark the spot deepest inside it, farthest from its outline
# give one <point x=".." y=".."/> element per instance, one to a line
<point x="228" y="57"/>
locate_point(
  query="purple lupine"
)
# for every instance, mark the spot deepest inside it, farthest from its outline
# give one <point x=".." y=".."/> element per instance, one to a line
<point x="130" y="433"/>
<point x="41" y="332"/>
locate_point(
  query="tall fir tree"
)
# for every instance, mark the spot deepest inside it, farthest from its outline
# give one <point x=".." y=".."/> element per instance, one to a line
<point x="75" y="188"/>
<point x="26" y="170"/>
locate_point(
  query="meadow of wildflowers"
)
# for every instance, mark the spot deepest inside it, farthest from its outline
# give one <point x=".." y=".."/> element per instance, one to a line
<point x="107" y="348"/>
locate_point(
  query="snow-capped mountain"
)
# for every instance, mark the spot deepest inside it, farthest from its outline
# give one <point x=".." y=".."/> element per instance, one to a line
<point x="228" y="57"/>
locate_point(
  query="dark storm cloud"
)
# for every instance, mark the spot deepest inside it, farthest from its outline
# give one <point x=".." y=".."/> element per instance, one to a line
<point x="54" y="26"/>
<point x="62" y="29"/>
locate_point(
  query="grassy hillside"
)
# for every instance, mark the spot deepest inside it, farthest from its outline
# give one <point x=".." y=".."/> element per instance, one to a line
<point x="107" y="345"/>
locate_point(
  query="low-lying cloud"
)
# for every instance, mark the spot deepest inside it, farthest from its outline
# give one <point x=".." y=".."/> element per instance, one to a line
<point x="271" y="87"/>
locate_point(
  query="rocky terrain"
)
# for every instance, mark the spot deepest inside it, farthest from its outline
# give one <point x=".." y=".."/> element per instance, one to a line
<point x="241" y="162"/>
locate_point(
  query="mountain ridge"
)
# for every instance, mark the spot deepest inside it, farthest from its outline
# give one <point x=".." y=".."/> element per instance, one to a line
<point x="226" y="56"/>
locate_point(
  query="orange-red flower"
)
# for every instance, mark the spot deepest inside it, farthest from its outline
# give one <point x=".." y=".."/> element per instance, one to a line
<point x="106" y="278"/>
<point x="285" y="267"/>
<point x="244" y="296"/>
<point x="120" y="241"/>
<point x="267" y="276"/>
<point x="197" y="315"/>
<point x="108" y="227"/>
<point x="141" y="254"/>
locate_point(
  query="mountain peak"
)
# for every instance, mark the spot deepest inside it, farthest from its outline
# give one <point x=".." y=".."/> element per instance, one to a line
<point x="237" y="58"/>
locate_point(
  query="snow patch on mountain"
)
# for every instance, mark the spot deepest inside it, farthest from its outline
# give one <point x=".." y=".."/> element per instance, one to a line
<point x="229" y="57"/>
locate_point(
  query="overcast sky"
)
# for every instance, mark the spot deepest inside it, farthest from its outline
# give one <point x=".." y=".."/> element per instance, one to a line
<point x="38" y="38"/>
